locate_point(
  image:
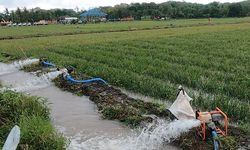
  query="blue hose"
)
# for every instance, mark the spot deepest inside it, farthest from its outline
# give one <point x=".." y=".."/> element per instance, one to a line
<point x="69" y="78"/>
<point x="48" y="64"/>
<point x="215" y="142"/>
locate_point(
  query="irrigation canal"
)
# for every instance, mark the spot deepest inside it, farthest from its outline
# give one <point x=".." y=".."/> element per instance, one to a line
<point x="78" y="119"/>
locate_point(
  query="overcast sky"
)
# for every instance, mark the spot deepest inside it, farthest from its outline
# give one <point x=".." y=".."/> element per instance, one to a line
<point x="81" y="4"/>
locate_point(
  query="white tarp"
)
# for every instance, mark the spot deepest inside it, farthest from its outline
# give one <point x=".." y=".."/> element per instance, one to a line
<point x="181" y="107"/>
<point x="12" y="139"/>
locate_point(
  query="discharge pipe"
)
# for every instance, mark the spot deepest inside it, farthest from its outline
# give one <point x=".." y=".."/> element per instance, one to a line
<point x="48" y="64"/>
<point x="68" y="77"/>
<point x="43" y="61"/>
<point x="215" y="142"/>
<point x="214" y="135"/>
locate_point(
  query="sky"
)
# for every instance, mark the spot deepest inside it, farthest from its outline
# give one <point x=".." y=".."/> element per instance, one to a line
<point x="81" y="4"/>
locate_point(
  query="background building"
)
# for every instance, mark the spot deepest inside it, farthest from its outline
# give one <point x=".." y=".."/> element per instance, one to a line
<point x="94" y="15"/>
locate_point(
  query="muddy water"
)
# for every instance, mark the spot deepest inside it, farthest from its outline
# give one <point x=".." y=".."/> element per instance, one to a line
<point x="77" y="117"/>
<point x="78" y="114"/>
<point x="72" y="114"/>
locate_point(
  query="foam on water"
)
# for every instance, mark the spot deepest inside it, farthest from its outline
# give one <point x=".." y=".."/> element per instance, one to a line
<point x="152" y="137"/>
<point x="15" y="66"/>
<point x="36" y="82"/>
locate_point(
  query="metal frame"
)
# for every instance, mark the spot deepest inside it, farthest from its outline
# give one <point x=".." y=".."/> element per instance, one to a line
<point x="218" y="130"/>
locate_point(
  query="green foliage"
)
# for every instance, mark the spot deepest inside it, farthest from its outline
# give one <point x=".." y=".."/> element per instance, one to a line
<point x="5" y="57"/>
<point x="20" y="105"/>
<point x="134" y="121"/>
<point x="174" y="9"/>
<point x="38" y="133"/>
<point x="170" y="9"/>
<point x="227" y="142"/>
<point x="113" y="112"/>
<point x="36" y="14"/>
<point x="130" y="115"/>
<point x="32" y="115"/>
<point x="245" y="126"/>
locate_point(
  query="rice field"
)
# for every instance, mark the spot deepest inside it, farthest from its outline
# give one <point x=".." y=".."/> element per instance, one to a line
<point x="211" y="61"/>
<point x="35" y="31"/>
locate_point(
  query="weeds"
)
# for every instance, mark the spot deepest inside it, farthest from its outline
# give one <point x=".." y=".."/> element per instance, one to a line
<point x="32" y="115"/>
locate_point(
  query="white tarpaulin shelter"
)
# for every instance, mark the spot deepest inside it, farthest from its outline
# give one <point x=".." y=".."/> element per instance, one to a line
<point x="181" y="107"/>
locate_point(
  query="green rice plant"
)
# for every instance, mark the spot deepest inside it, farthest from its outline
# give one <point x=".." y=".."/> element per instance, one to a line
<point x="61" y="30"/>
<point x="213" y="60"/>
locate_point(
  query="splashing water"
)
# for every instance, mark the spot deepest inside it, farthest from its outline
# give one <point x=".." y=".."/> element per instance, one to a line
<point x="36" y="82"/>
<point x="152" y="137"/>
<point x="9" y="68"/>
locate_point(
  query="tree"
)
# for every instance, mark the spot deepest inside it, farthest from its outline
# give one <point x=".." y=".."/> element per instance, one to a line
<point x="235" y="10"/>
<point x="6" y="15"/>
<point x="25" y="15"/>
<point x="18" y="15"/>
<point x="214" y="9"/>
<point x="12" y="16"/>
<point x="245" y="8"/>
<point x="1" y="17"/>
<point x="172" y="9"/>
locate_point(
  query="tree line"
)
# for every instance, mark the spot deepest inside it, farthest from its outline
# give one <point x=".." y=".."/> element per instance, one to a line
<point x="35" y="14"/>
<point x="173" y="9"/>
<point x="170" y="9"/>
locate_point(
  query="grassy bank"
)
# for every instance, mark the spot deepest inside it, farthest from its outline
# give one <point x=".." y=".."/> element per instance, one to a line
<point x="31" y="114"/>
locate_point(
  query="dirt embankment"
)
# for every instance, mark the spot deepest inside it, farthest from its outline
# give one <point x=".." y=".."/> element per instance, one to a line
<point x="115" y="105"/>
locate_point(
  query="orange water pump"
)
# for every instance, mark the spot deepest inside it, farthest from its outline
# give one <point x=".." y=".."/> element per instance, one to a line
<point x="216" y="120"/>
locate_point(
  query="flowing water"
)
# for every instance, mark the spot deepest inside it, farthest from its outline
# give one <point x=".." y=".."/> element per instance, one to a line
<point x="9" y="68"/>
<point x="78" y="119"/>
<point x="155" y="136"/>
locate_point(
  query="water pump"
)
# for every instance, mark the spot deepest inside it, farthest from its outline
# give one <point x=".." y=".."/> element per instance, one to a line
<point x="215" y="122"/>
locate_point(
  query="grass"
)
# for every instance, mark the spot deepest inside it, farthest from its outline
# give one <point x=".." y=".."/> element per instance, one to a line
<point x="34" y="31"/>
<point x="31" y="114"/>
<point x="211" y="61"/>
